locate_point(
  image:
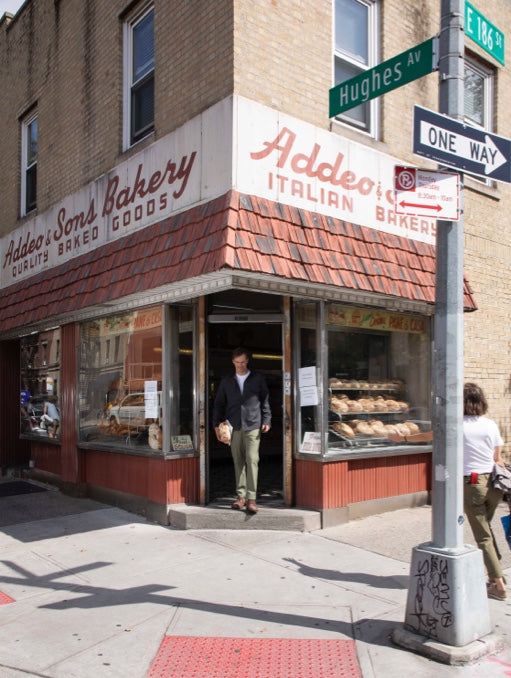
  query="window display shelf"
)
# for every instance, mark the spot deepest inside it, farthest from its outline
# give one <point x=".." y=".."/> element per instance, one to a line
<point x="354" y="433"/>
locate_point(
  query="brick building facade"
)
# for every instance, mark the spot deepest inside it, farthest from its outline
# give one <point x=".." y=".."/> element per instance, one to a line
<point x="172" y="174"/>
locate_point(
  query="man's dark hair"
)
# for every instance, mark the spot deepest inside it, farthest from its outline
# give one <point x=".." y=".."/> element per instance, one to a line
<point x="474" y="401"/>
<point x="241" y="351"/>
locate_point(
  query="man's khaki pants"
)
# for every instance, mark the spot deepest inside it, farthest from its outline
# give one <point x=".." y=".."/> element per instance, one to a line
<point x="245" y="454"/>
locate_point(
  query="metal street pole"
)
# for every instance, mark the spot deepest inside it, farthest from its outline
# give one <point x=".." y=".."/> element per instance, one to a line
<point x="447" y="599"/>
<point x="447" y="506"/>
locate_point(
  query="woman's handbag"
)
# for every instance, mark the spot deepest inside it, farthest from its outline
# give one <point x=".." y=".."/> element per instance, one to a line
<point x="501" y="477"/>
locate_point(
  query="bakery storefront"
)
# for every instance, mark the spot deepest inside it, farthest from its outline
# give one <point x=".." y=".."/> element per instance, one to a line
<point x="122" y="304"/>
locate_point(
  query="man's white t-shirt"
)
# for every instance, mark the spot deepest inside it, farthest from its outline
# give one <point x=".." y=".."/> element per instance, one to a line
<point x="480" y="438"/>
<point x="241" y="379"/>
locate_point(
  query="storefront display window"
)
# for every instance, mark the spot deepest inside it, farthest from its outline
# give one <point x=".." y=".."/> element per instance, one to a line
<point x="181" y="419"/>
<point x="372" y="379"/>
<point x="120" y="380"/>
<point x="40" y="385"/>
<point x="308" y="373"/>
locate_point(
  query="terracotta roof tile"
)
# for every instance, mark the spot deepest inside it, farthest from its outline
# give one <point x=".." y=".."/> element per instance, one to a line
<point x="235" y="231"/>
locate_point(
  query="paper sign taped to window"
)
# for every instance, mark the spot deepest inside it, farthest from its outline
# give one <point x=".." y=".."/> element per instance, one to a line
<point x="311" y="443"/>
<point x="181" y="443"/>
<point x="308" y="396"/>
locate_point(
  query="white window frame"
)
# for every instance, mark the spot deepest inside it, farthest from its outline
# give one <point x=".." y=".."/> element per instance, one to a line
<point x="25" y="165"/>
<point x="373" y="46"/>
<point x="128" y="83"/>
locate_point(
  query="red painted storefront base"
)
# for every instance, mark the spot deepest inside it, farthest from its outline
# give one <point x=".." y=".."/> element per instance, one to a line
<point x="340" y="483"/>
<point x="318" y="485"/>
<point x="161" y="481"/>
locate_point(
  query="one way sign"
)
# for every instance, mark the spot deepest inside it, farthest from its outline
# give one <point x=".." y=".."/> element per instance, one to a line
<point x="453" y="143"/>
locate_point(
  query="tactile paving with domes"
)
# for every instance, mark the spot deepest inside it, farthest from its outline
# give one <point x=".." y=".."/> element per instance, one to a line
<point x="5" y="599"/>
<point x="202" y="657"/>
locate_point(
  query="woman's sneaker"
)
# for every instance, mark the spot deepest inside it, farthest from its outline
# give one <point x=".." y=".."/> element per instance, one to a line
<point x="494" y="592"/>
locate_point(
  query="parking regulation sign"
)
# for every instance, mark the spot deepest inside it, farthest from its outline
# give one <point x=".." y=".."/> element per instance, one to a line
<point x="426" y="193"/>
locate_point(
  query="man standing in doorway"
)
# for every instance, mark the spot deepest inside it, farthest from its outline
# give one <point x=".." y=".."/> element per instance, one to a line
<point x="243" y="400"/>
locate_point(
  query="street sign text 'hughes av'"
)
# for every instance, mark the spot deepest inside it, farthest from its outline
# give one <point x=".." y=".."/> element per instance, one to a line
<point x="405" y="67"/>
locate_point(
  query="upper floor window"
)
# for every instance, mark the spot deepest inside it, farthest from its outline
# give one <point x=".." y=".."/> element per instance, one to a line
<point x="478" y="94"/>
<point x="29" y="138"/>
<point x="355" y="51"/>
<point x="139" y="77"/>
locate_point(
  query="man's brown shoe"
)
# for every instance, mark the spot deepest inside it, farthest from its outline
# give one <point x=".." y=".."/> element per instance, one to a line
<point x="238" y="504"/>
<point x="252" y="506"/>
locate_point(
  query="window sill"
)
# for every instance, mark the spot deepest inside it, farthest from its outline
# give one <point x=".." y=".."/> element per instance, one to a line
<point x="40" y="439"/>
<point x="394" y="451"/>
<point x="134" y="452"/>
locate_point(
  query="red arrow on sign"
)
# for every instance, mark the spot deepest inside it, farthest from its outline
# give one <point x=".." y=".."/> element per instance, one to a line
<point x="438" y="208"/>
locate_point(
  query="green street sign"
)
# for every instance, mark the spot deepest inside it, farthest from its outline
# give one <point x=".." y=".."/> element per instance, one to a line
<point x="484" y="33"/>
<point x="405" y="67"/>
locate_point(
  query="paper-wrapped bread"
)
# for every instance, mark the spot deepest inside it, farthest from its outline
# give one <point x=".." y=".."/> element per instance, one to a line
<point x="224" y="432"/>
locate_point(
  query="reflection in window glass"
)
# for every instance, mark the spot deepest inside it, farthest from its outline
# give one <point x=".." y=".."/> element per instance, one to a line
<point x="120" y="389"/>
<point x="141" y="75"/>
<point x="186" y="373"/>
<point x="309" y="418"/>
<point x="40" y="384"/>
<point x="182" y="403"/>
<point x="351" y="21"/>
<point x="474" y="97"/>
<point x="29" y="165"/>
<point x="355" y="51"/>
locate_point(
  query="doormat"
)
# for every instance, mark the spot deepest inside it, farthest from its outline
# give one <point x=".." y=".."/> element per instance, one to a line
<point x="13" y="487"/>
<point x="198" y="657"/>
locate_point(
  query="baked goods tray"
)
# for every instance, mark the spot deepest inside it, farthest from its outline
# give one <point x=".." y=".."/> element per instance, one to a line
<point x="368" y="414"/>
<point x="357" y="441"/>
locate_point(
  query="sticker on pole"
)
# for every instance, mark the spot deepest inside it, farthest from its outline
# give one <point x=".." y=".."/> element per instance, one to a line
<point x="426" y="193"/>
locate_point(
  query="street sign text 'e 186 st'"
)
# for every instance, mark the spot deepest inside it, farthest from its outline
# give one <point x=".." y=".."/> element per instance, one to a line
<point x="453" y="143"/>
<point x="484" y="33"/>
<point x="426" y="193"/>
<point x="405" y="67"/>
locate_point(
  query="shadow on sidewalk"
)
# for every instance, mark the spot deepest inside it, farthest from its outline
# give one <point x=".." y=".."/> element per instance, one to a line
<point x="376" y="581"/>
<point x="88" y="597"/>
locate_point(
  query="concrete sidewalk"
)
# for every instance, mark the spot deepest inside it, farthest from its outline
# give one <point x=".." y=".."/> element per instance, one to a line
<point x="89" y="590"/>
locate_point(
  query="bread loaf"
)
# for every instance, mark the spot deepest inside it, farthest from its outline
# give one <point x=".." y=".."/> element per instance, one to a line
<point x="224" y="432"/>
<point x="154" y="434"/>
<point x="364" y="429"/>
<point x="403" y="429"/>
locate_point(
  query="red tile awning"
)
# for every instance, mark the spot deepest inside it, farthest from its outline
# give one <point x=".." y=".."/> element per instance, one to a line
<point x="237" y="232"/>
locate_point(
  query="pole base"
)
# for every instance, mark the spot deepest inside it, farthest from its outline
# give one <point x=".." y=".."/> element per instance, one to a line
<point x="447" y="654"/>
<point x="447" y="600"/>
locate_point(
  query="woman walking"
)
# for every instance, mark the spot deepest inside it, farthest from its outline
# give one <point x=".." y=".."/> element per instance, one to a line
<point x="482" y="447"/>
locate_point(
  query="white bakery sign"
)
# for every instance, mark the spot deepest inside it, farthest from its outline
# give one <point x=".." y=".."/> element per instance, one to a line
<point x="292" y="162"/>
<point x="235" y="144"/>
<point x="165" y="178"/>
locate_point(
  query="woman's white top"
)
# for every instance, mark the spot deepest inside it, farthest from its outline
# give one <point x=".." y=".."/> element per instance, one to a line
<point x="480" y="438"/>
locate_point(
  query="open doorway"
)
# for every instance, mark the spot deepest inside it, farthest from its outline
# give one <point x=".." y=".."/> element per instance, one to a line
<point x="264" y="341"/>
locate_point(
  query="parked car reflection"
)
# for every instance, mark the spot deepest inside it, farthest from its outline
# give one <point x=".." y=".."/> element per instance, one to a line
<point x="132" y="410"/>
